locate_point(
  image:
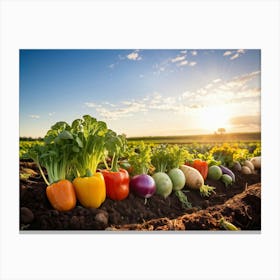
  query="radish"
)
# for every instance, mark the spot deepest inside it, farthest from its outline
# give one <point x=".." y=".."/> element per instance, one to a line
<point x="256" y="161"/>
<point x="215" y="172"/>
<point x="178" y="178"/>
<point x="246" y="170"/>
<point x="163" y="184"/>
<point x="194" y="180"/>
<point x="249" y="164"/>
<point x="227" y="171"/>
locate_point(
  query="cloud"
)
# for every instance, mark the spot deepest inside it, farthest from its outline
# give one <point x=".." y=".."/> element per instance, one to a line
<point x="227" y="53"/>
<point x="236" y="91"/>
<point x="183" y="63"/>
<point x="234" y="53"/>
<point x="134" y="56"/>
<point x="34" y="116"/>
<point x="92" y="105"/>
<point x="51" y="114"/>
<point x="254" y="122"/>
<point x="194" y="53"/>
<point x="178" y="58"/>
<point x="192" y="63"/>
<point x="234" y="56"/>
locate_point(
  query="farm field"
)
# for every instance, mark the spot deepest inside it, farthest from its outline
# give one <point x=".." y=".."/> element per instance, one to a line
<point x="237" y="202"/>
<point x="208" y="138"/>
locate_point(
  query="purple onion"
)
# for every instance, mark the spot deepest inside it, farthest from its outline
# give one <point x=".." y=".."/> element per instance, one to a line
<point x="227" y="171"/>
<point x="143" y="185"/>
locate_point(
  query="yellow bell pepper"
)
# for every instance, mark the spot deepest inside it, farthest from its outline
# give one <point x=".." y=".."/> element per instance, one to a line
<point x="91" y="191"/>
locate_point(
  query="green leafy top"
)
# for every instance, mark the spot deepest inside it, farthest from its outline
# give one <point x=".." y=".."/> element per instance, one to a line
<point x="177" y="156"/>
<point x="140" y="158"/>
<point x="160" y="158"/>
<point x="90" y="136"/>
<point x="56" y="153"/>
<point x="116" y="147"/>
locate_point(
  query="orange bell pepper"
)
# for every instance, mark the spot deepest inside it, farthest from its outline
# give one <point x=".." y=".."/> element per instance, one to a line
<point x="61" y="195"/>
<point x="91" y="191"/>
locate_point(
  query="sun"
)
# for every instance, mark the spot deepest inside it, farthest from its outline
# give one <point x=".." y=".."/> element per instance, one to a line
<point x="213" y="117"/>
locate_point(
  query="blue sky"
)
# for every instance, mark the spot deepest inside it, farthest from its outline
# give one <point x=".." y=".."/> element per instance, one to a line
<point x="142" y="92"/>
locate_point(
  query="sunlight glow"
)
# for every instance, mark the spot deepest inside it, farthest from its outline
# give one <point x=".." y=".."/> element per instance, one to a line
<point x="213" y="117"/>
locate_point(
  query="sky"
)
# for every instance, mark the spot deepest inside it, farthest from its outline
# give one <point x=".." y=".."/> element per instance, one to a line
<point x="150" y="92"/>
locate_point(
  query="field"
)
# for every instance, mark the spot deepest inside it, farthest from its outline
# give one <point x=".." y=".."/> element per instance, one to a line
<point x="208" y="138"/>
<point x="239" y="204"/>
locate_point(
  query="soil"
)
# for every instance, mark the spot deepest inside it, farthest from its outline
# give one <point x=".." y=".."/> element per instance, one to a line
<point x="239" y="204"/>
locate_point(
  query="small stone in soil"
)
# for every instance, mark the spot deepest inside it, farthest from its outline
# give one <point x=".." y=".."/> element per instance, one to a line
<point x="26" y="215"/>
<point x="102" y="218"/>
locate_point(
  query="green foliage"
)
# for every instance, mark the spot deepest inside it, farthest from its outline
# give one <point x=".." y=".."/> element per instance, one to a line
<point x="140" y="158"/>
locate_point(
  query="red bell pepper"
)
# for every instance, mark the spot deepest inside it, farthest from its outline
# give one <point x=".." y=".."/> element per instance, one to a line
<point x="201" y="166"/>
<point x="117" y="183"/>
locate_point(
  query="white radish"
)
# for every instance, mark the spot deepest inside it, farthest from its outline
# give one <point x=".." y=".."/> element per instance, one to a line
<point x="246" y="170"/>
<point x="249" y="164"/>
<point x="194" y="179"/>
<point x="256" y="161"/>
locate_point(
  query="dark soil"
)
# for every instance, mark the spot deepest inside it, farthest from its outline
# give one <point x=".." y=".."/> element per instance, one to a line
<point x="239" y="204"/>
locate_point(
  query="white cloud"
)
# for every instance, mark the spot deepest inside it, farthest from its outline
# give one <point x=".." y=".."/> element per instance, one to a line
<point x="92" y="105"/>
<point x="234" y="56"/>
<point x="192" y="63"/>
<point x="227" y="53"/>
<point x="178" y="58"/>
<point x="34" y="116"/>
<point x="194" y="52"/>
<point x="216" y="81"/>
<point x="183" y="63"/>
<point x="51" y="114"/>
<point x="134" y="56"/>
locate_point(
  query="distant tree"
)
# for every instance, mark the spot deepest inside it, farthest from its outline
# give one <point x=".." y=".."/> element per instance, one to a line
<point x="222" y="130"/>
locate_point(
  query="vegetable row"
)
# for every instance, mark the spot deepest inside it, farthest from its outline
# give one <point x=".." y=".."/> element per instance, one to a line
<point x="87" y="162"/>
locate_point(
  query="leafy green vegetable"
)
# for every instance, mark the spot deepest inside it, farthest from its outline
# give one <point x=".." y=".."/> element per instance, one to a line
<point x="116" y="146"/>
<point x="90" y="137"/>
<point x="160" y="158"/>
<point x="140" y="158"/>
<point x="177" y="156"/>
<point x="56" y="154"/>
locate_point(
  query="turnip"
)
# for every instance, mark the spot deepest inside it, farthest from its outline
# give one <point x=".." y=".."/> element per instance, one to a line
<point x="227" y="171"/>
<point x="163" y="184"/>
<point x="194" y="180"/>
<point x="214" y="172"/>
<point x="249" y="164"/>
<point x="237" y="166"/>
<point x="246" y="170"/>
<point x="256" y="161"/>
<point x="226" y="179"/>
<point x="143" y="185"/>
<point x="178" y="178"/>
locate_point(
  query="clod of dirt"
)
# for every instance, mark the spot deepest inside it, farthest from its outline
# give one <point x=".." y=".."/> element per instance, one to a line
<point x="26" y="215"/>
